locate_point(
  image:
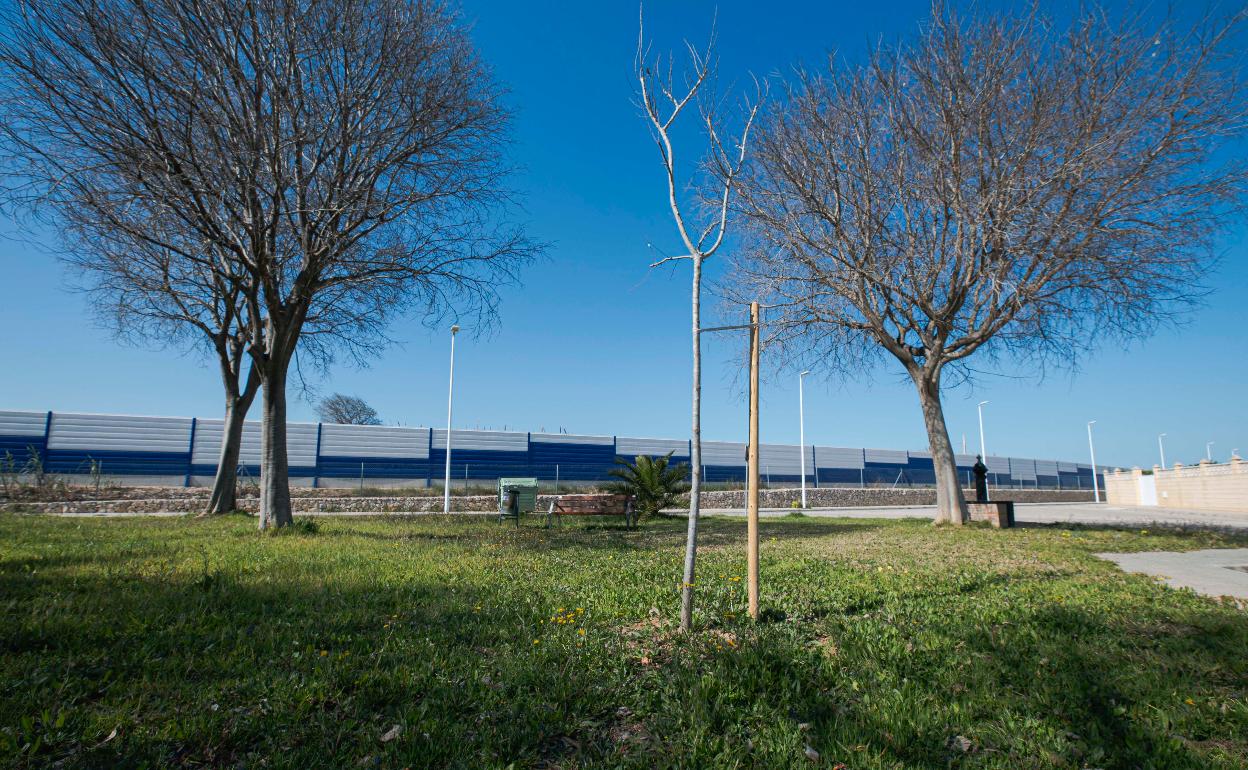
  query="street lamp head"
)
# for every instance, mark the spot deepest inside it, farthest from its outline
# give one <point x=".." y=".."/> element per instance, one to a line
<point x="803" y="373"/>
<point x="1091" y="422"/>
<point x="455" y="329"/>
<point x="981" y="403"/>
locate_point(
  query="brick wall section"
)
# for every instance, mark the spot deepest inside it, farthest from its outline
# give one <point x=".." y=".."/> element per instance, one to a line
<point x="1122" y="487"/>
<point x="1204" y="487"/>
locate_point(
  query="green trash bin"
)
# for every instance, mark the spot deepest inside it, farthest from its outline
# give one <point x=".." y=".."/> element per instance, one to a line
<point x="516" y="496"/>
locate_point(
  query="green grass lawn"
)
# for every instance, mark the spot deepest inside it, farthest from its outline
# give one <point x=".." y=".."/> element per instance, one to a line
<point x="888" y="644"/>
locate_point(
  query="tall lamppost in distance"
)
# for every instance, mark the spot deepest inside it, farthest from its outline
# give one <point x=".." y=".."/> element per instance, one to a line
<point x="1209" y="450"/>
<point x="801" y="427"/>
<point x="450" y="393"/>
<point x="983" y="451"/>
<point x="1096" y="488"/>
<point x="1161" y="446"/>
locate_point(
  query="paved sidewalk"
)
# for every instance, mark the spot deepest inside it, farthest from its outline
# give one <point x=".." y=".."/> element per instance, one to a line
<point x="1215" y="572"/>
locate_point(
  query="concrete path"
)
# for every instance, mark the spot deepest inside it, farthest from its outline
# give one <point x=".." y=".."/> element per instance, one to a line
<point x="1215" y="572"/>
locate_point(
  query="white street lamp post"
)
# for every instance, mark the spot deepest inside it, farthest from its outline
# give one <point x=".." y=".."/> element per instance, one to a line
<point x="983" y="450"/>
<point x="1209" y="451"/>
<point x="450" y="393"/>
<point x="801" y="429"/>
<point x="1161" y="447"/>
<point x="1096" y="488"/>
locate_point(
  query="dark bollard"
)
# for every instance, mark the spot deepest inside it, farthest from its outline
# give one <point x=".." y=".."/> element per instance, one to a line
<point x="981" y="480"/>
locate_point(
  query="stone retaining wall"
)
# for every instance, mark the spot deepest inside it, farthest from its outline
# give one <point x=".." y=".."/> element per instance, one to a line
<point x="852" y="497"/>
<point x="835" y="497"/>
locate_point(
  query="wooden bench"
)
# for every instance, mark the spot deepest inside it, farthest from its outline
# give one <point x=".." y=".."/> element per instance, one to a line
<point x="592" y="505"/>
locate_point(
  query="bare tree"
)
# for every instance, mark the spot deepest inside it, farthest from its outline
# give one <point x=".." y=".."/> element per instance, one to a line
<point x="149" y="294"/>
<point x="997" y="187"/>
<point x="347" y="410"/>
<point x="152" y="278"/>
<point x="333" y="161"/>
<point x="700" y="223"/>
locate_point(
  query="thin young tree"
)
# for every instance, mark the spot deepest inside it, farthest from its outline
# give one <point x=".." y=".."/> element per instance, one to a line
<point x="701" y="222"/>
<point x="340" y="160"/>
<point x="999" y="186"/>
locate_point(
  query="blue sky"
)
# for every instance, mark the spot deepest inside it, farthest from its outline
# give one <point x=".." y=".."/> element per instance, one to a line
<point x="595" y="342"/>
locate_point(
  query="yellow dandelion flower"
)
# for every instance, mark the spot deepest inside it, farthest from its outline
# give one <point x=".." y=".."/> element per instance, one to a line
<point x="536" y="641"/>
<point x="581" y="631"/>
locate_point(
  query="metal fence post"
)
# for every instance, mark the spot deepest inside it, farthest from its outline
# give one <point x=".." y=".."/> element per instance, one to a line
<point x="316" y="461"/>
<point x="190" y="454"/>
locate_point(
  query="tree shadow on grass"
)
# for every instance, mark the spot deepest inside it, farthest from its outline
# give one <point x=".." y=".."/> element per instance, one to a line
<point x="223" y="666"/>
<point x="222" y="671"/>
<point x="1038" y="685"/>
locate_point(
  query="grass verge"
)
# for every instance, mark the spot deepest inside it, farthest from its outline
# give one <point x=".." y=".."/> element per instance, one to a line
<point x="460" y="643"/>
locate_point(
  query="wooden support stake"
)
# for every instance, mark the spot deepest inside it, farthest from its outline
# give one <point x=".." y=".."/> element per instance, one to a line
<point x="752" y="488"/>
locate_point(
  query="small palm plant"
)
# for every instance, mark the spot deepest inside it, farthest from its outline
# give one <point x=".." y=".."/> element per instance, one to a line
<point x="653" y="482"/>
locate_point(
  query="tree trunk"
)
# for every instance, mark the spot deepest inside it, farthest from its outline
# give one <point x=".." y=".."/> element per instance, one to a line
<point x="275" y="508"/>
<point x="224" y="486"/>
<point x="950" y="503"/>
<point x="695" y="458"/>
<point x="224" y="497"/>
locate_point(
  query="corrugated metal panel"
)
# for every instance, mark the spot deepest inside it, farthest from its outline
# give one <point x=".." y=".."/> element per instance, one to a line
<point x="886" y="456"/>
<point x="726" y="453"/>
<point x="23" y="423"/>
<point x="965" y="461"/>
<point x="631" y="447"/>
<point x="119" y="433"/>
<point x="781" y="460"/>
<point x="158" y="445"/>
<point x="564" y="438"/>
<point x="575" y="461"/>
<point x="1023" y="469"/>
<point x="301" y="444"/>
<point x="495" y="440"/>
<point x="1046" y="468"/>
<point x="839" y="457"/>
<point x="207" y="448"/>
<point x="373" y="441"/>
